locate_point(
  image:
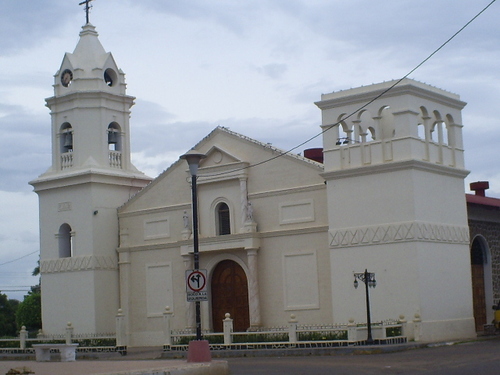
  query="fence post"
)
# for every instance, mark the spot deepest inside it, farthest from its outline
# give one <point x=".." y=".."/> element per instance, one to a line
<point x="352" y="334"/>
<point x="121" y="339"/>
<point x="228" y="329"/>
<point x="292" y="329"/>
<point x="167" y="331"/>
<point x="69" y="333"/>
<point x="404" y="328"/>
<point x="417" y="327"/>
<point x="23" y="335"/>
<point x="39" y="335"/>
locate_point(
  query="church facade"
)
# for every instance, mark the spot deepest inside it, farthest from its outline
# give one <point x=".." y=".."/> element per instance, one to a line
<point x="280" y="234"/>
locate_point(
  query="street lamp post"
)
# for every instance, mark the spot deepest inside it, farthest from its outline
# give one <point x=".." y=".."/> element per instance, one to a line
<point x="200" y="351"/>
<point x="369" y="279"/>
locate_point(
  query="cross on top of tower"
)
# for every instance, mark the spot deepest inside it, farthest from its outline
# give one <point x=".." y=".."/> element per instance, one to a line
<point x="87" y="8"/>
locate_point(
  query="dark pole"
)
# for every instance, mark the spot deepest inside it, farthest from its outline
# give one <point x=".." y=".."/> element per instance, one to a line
<point x="369" y="339"/>
<point x="196" y="252"/>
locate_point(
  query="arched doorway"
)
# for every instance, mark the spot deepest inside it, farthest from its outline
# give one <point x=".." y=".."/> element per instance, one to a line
<point x="478" y="261"/>
<point x="230" y="295"/>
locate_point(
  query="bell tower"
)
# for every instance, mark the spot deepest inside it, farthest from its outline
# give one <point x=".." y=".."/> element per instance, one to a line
<point x="394" y="168"/>
<point x="90" y="177"/>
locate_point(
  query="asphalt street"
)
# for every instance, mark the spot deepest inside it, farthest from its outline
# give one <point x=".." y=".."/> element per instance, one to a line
<point x="478" y="357"/>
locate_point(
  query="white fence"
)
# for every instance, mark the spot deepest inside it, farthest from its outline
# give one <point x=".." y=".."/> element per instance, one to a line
<point x="291" y="335"/>
<point x="106" y="342"/>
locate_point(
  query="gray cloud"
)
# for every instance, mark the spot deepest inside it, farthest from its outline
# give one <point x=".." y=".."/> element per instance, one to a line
<point x="24" y="148"/>
<point x="25" y="23"/>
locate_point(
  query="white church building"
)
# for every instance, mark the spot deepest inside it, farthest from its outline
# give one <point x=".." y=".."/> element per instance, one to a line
<point x="280" y="234"/>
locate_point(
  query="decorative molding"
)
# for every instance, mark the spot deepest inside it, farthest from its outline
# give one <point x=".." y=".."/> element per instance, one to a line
<point x="293" y="212"/>
<point x="64" y="206"/>
<point x="155" y="210"/>
<point x="73" y="264"/>
<point x="399" y="232"/>
<point x="281" y="192"/>
<point x="156" y="228"/>
<point x="393" y="167"/>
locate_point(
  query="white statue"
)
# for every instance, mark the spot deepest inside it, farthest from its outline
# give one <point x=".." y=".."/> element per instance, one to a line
<point x="249" y="212"/>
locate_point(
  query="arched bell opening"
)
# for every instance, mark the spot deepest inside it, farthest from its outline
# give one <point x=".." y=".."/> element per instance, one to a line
<point x="66" y="138"/>
<point x="114" y="137"/>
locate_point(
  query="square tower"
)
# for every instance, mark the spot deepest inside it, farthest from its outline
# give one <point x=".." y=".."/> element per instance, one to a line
<point x="394" y="167"/>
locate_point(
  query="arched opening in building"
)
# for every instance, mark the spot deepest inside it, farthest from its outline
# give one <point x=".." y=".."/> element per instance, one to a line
<point x="223" y="219"/>
<point x="65" y="241"/>
<point x="482" y="295"/>
<point x="66" y="138"/>
<point x="114" y="137"/>
<point x="229" y="289"/>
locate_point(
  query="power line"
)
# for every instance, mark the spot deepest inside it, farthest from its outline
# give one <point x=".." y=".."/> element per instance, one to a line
<point x="363" y="106"/>
<point x="15" y="260"/>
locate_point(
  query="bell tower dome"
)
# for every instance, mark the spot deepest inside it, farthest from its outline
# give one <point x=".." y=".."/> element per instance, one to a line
<point x="90" y="111"/>
<point x="90" y="177"/>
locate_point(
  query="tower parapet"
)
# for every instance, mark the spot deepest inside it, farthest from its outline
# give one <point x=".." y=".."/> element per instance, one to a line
<point x="411" y="121"/>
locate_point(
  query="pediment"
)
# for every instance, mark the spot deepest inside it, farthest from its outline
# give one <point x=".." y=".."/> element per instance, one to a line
<point x="220" y="165"/>
<point x="216" y="157"/>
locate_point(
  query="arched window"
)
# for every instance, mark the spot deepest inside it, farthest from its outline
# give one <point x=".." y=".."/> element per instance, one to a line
<point x="65" y="241"/>
<point x="223" y="219"/>
<point x="421" y="131"/>
<point x="66" y="138"/>
<point x="114" y="137"/>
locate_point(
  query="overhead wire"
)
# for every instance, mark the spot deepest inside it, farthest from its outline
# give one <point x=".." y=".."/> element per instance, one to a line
<point x="15" y="260"/>
<point x="358" y="109"/>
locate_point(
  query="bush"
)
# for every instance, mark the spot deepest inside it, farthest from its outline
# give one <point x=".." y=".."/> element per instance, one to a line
<point x="322" y="336"/>
<point x="29" y="312"/>
<point x="7" y="316"/>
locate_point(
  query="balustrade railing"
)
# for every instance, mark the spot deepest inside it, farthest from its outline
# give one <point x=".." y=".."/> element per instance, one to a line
<point x="66" y="160"/>
<point x="115" y="159"/>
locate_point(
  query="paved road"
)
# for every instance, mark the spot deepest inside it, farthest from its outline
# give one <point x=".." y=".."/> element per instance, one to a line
<point x="480" y="357"/>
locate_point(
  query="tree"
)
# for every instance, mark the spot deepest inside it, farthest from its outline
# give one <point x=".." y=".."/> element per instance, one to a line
<point x="29" y="312"/>
<point x="7" y="316"/>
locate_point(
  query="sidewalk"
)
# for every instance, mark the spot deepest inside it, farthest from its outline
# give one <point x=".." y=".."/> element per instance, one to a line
<point x="139" y="361"/>
<point x="107" y="367"/>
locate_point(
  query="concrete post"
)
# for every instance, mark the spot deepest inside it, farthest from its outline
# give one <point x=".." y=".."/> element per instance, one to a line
<point x="228" y="329"/>
<point x="23" y="335"/>
<point x="292" y="329"/>
<point x="352" y="334"/>
<point x="69" y="333"/>
<point x="417" y="327"/>
<point x="167" y="330"/>
<point x="121" y="337"/>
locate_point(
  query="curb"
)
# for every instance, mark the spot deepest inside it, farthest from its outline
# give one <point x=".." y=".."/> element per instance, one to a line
<point x="211" y="368"/>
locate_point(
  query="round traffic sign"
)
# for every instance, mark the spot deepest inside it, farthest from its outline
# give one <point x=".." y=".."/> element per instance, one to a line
<point x="196" y="281"/>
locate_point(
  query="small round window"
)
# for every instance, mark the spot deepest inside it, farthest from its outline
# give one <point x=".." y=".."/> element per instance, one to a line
<point x="110" y="77"/>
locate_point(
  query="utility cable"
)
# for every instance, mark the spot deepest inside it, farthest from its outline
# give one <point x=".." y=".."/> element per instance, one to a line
<point x="363" y="106"/>
<point x="15" y="260"/>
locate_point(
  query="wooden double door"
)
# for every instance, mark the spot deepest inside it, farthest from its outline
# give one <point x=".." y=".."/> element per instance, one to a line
<point x="230" y="295"/>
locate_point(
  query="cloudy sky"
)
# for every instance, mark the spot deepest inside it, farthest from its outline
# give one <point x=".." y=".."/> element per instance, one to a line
<point x="255" y="66"/>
